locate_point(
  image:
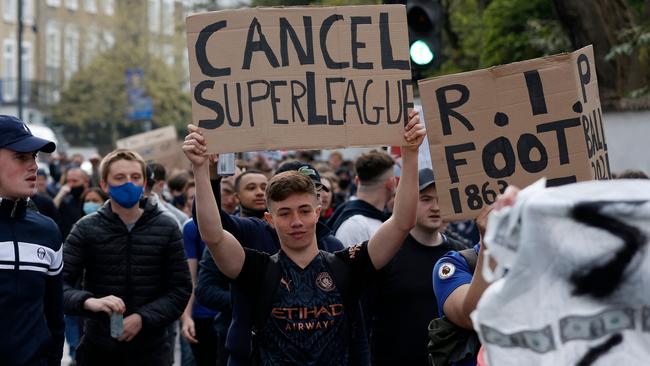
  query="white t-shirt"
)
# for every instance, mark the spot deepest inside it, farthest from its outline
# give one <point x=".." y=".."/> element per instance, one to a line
<point x="357" y="229"/>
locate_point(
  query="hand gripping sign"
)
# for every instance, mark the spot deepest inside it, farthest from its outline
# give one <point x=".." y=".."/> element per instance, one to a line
<point x="513" y="124"/>
<point x="300" y="77"/>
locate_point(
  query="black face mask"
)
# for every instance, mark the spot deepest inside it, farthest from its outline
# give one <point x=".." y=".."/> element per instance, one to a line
<point x="344" y="184"/>
<point x="251" y="212"/>
<point x="76" y="192"/>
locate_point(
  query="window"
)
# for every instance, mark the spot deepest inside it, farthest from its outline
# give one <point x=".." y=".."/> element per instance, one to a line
<point x="27" y="70"/>
<point x="53" y="61"/>
<point x="154" y="16"/>
<point x="92" y="43"/>
<point x="54" y="2"/>
<point x="53" y="47"/>
<point x="71" y="50"/>
<point x="108" y="7"/>
<point x="168" y="17"/>
<point x="8" y="70"/>
<point x="28" y="11"/>
<point x="9" y="10"/>
<point x="109" y="40"/>
<point x="72" y="4"/>
<point x="90" y="6"/>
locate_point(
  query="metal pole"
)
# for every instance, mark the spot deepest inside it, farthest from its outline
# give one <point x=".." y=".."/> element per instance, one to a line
<point x="20" y="59"/>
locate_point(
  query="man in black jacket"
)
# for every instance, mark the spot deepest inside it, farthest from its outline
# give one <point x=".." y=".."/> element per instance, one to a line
<point x="133" y="263"/>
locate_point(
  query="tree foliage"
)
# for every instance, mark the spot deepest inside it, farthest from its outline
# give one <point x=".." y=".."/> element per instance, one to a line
<point x="93" y="105"/>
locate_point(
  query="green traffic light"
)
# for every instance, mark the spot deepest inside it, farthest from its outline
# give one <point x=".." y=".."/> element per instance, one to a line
<point x="420" y="53"/>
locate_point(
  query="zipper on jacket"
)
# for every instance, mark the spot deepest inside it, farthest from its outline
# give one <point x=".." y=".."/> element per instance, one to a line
<point x="15" y="240"/>
<point x="129" y="289"/>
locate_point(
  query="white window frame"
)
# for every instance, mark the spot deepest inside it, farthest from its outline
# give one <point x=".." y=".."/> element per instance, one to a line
<point x="9" y="10"/>
<point x="108" y="6"/>
<point x="53" y="47"/>
<point x="167" y="14"/>
<point x="9" y="70"/>
<point x="71" y="50"/>
<point x="90" y="6"/>
<point x="91" y="45"/>
<point x="28" y="12"/>
<point x="54" y="3"/>
<point x="72" y="4"/>
<point x="153" y="15"/>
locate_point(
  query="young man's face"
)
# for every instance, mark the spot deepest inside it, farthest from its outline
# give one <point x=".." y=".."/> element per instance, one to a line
<point x="295" y="220"/>
<point x="229" y="200"/>
<point x="17" y="174"/>
<point x="123" y="171"/>
<point x="428" y="214"/>
<point x="251" y="192"/>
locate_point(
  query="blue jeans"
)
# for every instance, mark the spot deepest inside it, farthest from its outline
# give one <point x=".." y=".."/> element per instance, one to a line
<point x="72" y="333"/>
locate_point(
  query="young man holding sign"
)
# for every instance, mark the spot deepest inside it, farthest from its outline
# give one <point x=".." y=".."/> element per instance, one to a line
<point x="307" y="320"/>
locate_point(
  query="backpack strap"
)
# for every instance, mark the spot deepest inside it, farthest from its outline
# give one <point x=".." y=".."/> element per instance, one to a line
<point x="471" y="257"/>
<point x="268" y="288"/>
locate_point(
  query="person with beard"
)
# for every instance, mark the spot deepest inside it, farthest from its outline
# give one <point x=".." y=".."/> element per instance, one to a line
<point x="404" y="301"/>
<point x="249" y="190"/>
<point x="68" y="200"/>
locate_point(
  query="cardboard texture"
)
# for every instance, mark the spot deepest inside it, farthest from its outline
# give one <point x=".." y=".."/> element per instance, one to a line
<point x="513" y="124"/>
<point x="300" y="77"/>
<point x="160" y="145"/>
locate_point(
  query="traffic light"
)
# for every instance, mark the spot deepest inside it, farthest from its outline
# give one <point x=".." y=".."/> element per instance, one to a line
<point x="424" y="19"/>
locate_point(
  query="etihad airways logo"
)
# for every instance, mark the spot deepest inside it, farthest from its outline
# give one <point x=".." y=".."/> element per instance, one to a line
<point x="309" y="318"/>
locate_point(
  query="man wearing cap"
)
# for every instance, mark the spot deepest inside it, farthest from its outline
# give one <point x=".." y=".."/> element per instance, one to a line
<point x="31" y="294"/>
<point x="404" y="301"/>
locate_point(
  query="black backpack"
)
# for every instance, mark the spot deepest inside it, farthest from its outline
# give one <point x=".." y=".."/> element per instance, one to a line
<point x="449" y="343"/>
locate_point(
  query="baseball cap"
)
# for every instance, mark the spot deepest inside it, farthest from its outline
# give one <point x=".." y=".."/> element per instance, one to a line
<point x="304" y="169"/>
<point x="16" y="136"/>
<point x="425" y="178"/>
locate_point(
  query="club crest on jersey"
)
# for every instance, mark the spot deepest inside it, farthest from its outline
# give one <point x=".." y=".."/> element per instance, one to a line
<point x="446" y="270"/>
<point x="324" y="282"/>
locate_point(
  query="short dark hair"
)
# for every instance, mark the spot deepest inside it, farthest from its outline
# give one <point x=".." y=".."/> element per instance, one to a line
<point x="285" y="184"/>
<point x="631" y="174"/>
<point x="239" y="177"/>
<point x="99" y="192"/>
<point x="372" y="165"/>
<point x="159" y="171"/>
<point x="178" y="181"/>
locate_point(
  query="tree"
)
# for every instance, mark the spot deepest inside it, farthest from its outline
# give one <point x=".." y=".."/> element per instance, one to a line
<point x="93" y="105"/>
<point x="606" y="23"/>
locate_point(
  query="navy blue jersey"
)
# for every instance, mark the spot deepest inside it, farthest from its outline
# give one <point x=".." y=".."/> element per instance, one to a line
<point x="308" y="323"/>
<point x="31" y="290"/>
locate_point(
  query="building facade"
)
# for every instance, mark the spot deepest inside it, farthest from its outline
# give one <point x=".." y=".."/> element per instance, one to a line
<point x="60" y="37"/>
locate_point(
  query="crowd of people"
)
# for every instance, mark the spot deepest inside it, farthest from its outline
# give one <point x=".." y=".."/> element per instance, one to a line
<point x="294" y="261"/>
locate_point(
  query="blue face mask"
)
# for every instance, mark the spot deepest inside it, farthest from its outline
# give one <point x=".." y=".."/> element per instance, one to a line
<point x="126" y="195"/>
<point x="90" y="207"/>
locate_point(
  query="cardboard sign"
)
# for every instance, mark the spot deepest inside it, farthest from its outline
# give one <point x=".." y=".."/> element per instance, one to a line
<point x="160" y="145"/>
<point x="300" y="77"/>
<point x="513" y="124"/>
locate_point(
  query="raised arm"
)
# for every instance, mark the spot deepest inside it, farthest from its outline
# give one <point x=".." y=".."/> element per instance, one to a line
<point x="391" y="234"/>
<point x="226" y="251"/>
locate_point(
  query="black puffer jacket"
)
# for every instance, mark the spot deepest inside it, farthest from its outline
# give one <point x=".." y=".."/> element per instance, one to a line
<point x="145" y="267"/>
